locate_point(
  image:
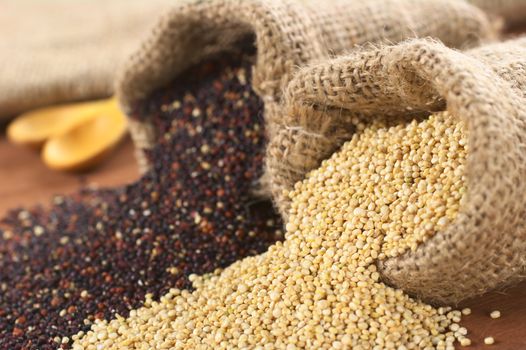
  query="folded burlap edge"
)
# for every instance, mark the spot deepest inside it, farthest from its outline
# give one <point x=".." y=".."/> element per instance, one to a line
<point x="484" y="247"/>
<point x="203" y="29"/>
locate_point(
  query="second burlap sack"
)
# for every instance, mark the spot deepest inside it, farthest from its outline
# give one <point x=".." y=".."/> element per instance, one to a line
<point x="286" y="34"/>
<point x="58" y="51"/>
<point x="484" y="247"/>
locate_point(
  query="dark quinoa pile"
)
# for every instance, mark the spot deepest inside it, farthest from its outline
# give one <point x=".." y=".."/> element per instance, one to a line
<point x="97" y="253"/>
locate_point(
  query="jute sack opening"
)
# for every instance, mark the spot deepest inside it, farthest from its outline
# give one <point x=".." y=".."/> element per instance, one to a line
<point x="513" y="12"/>
<point x="484" y="247"/>
<point x="57" y="51"/>
<point x="287" y="34"/>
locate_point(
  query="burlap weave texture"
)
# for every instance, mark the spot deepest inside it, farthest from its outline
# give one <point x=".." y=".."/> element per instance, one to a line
<point x="287" y="34"/>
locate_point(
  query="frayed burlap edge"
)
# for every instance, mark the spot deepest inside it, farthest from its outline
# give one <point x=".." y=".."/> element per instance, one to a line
<point x="484" y="247"/>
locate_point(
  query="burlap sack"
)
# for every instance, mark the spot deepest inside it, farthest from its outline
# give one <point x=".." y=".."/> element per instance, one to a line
<point x="485" y="246"/>
<point x="513" y="12"/>
<point x="56" y="51"/>
<point x="287" y="34"/>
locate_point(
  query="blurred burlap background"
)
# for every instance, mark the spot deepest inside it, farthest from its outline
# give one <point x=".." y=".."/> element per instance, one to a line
<point x="66" y="50"/>
<point x="512" y="12"/>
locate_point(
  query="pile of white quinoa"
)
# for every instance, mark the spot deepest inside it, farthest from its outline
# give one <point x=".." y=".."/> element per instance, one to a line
<point x="388" y="189"/>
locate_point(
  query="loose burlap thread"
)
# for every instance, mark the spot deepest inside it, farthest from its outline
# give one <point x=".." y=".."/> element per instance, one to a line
<point x="484" y="247"/>
<point x="57" y="51"/>
<point x="287" y="34"/>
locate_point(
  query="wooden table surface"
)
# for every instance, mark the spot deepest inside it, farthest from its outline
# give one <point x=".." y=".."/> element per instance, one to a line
<point x="24" y="181"/>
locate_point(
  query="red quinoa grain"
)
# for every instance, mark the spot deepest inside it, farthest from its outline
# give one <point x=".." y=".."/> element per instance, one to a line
<point x="98" y="253"/>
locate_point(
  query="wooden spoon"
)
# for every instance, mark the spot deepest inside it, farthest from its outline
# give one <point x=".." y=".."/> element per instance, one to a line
<point x="87" y="143"/>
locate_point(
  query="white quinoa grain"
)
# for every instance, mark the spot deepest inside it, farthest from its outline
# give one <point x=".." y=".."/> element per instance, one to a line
<point x="38" y="230"/>
<point x="465" y="342"/>
<point x="489" y="341"/>
<point x="495" y="314"/>
<point x="389" y="188"/>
